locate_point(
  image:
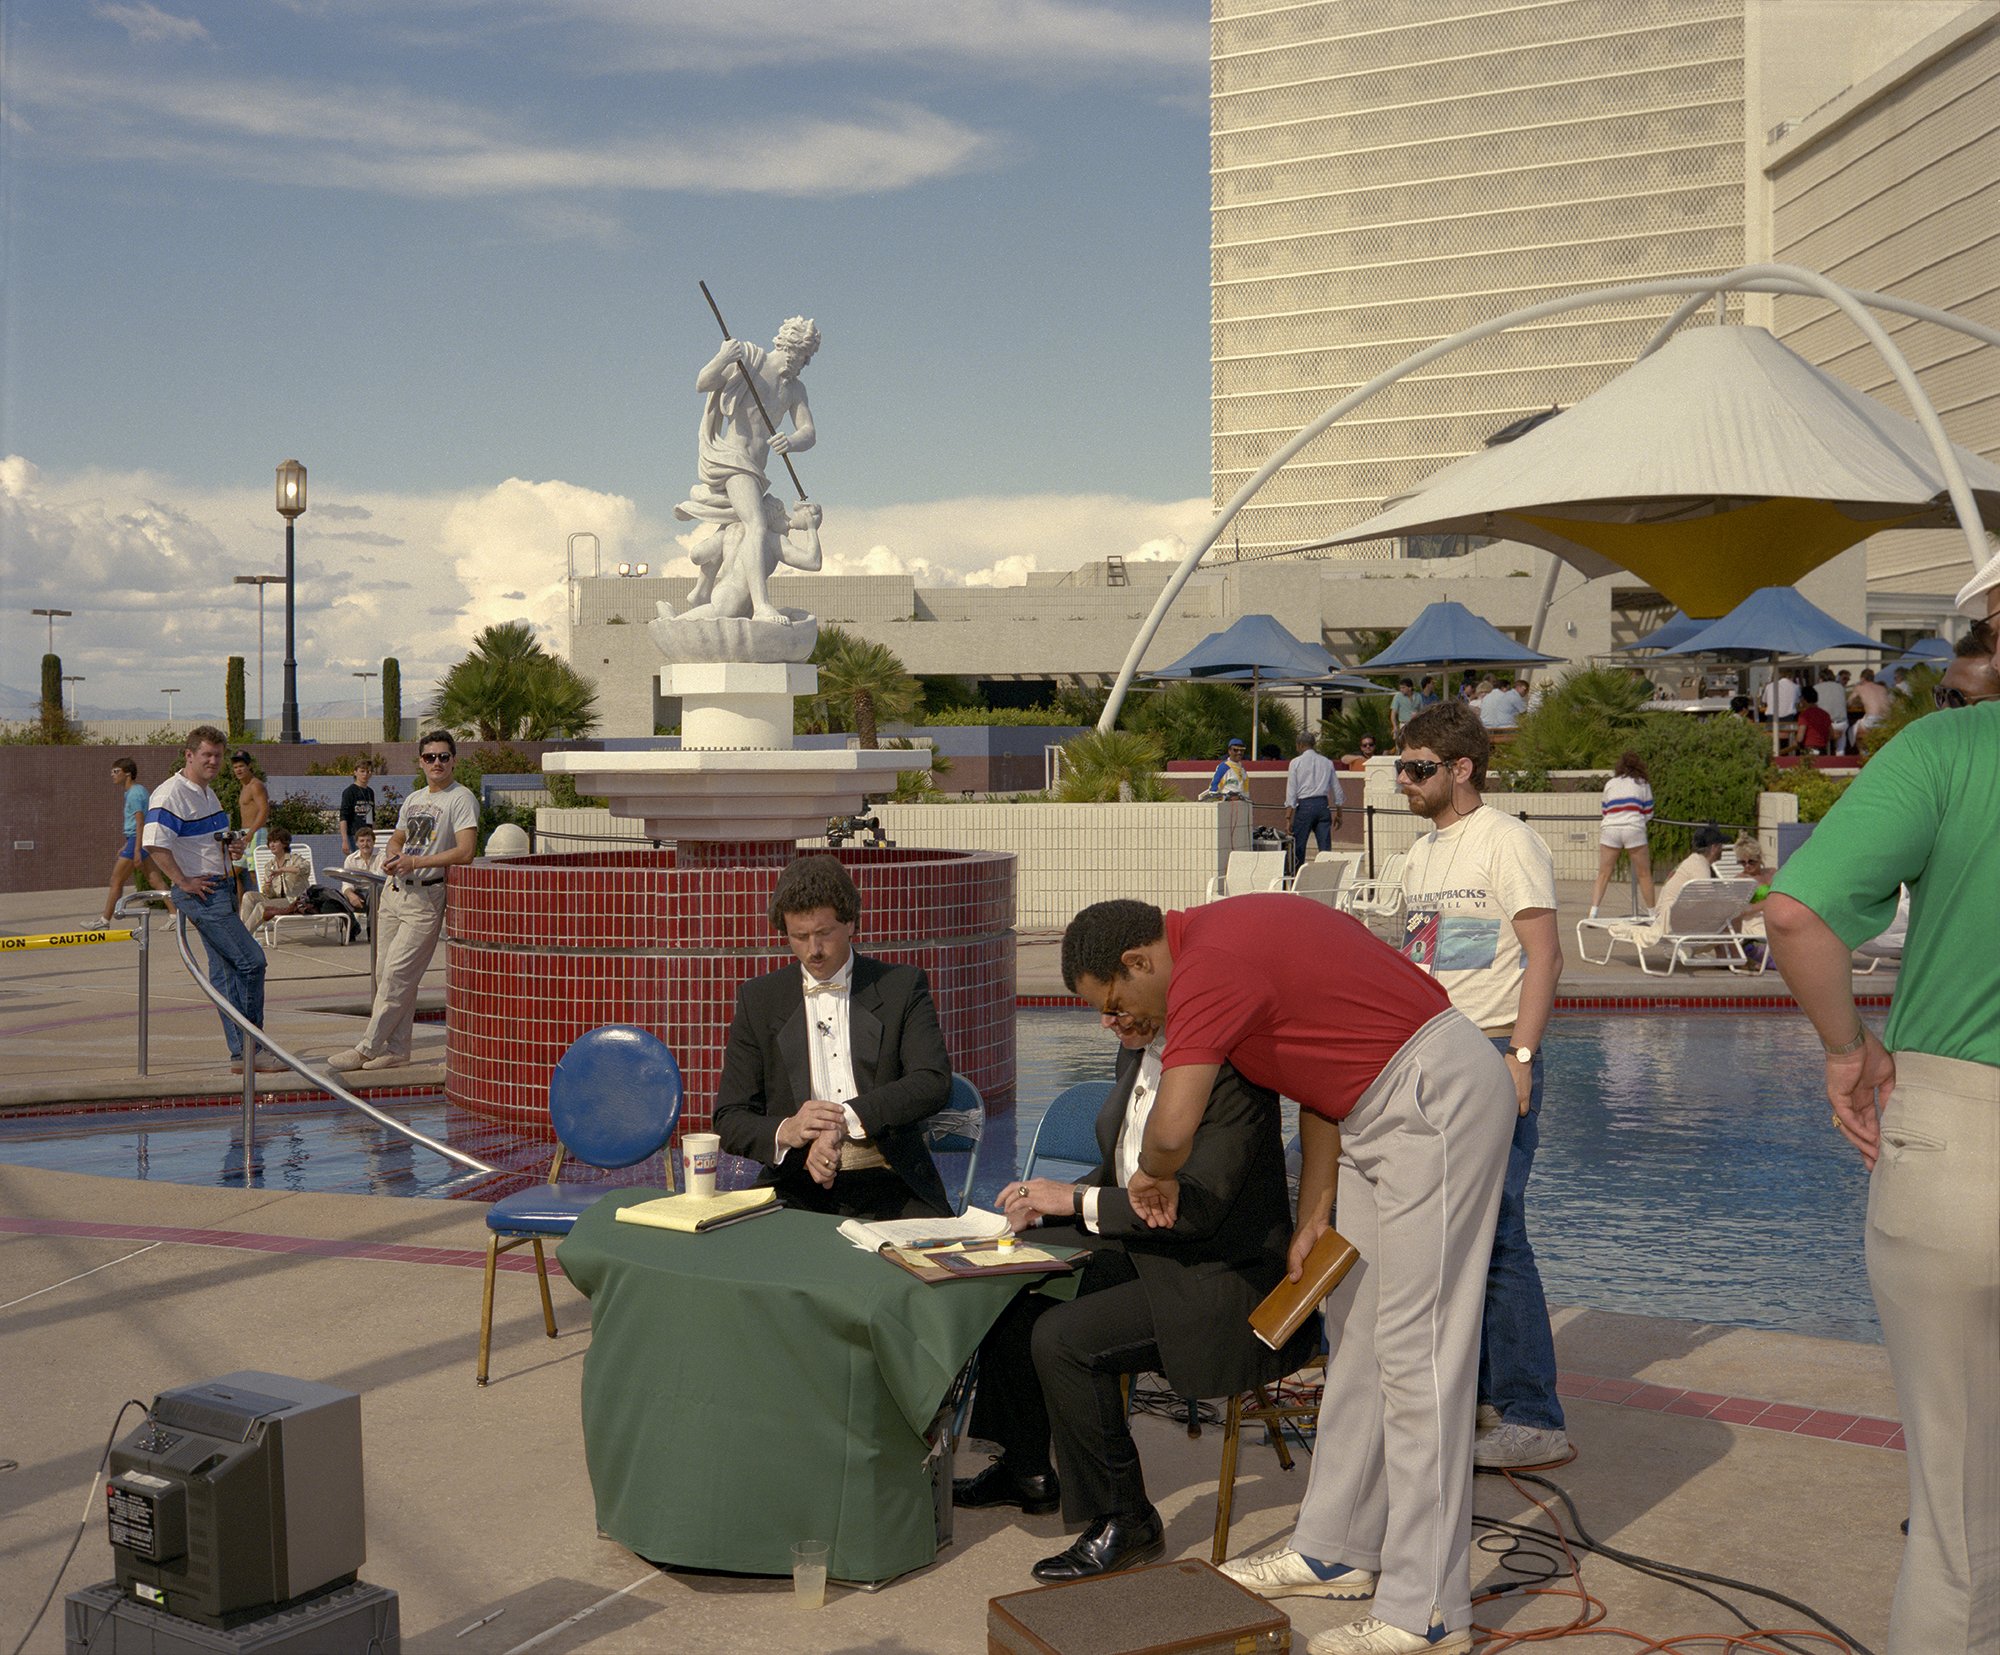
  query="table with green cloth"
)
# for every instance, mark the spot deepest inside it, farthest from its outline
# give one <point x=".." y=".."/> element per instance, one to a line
<point x="766" y="1383"/>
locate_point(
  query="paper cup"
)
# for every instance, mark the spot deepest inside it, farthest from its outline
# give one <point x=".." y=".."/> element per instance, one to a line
<point x="699" y="1153"/>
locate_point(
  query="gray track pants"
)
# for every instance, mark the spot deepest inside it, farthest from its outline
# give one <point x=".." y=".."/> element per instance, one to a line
<point x="409" y="924"/>
<point x="1421" y="1161"/>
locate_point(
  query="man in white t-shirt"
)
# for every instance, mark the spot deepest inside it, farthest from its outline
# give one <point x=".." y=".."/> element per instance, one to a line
<point x="437" y="830"/>
<point x="1501" y="709"/>
<point x="1783" y="693"/>
<point x="187" y="836"/>
<point x="1480" y="917"/>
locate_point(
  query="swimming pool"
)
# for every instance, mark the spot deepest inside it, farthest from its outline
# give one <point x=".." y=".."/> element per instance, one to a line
<point x="1686" y="1168"/>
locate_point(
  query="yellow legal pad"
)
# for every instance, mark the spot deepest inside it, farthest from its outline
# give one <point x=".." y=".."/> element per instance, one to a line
<point x="692" y="1213"/>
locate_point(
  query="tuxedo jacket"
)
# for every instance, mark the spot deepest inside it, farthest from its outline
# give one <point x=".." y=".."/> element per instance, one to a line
<point x="1226" y="1248"/>
<point x="902" y="1074"/>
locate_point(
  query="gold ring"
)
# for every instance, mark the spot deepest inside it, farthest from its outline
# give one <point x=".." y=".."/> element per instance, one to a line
<point x="1836" y="1117"/>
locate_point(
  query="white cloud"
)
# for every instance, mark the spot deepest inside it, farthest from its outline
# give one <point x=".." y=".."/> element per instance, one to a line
<point x="148" y="25"/>
<point x="396" y="142"/>
<point x="147" y="562"/>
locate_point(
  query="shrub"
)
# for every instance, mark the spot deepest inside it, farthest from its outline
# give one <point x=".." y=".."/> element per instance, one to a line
<point x="232" y="696"/>
<point x="1101" y="769"/>
<point x="392" y="699"/>
<point x="1816" y="791"/>
<point x="1024" y="717"/>
<point x="299" y="814"/>
<point x="1704" y="770"/>
<point x="1584" y="720"/>
<point x="1364" y="715"/>
<point x="342" y="764"/>
<point x="1195" y="719"/>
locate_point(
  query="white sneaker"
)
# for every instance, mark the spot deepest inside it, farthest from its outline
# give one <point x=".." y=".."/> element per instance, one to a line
<point x="1486" y="1418"/>
<point x="1368" y="1636"/>
<point x="388" y="1060"/>
<point x="1283" y="1573"/>
<point x="353" y="1058"/>
<point x="1508" y="1446"/>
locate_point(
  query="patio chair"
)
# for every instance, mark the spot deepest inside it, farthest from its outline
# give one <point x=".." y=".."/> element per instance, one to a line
<point x="956" y="1130"/>
<point x="1382" y="895"/>
<point x="268" y="930"/>
<point x="1068" y="1129"/>
<point x="614" y="1100"/>
<point x="1248" y="870"/>
<point x="1324" y="876"/>
<point x="1702" y="919"/>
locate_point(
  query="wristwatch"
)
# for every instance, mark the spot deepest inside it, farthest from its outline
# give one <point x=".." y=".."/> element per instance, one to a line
<point x="1079" y="1200"/>
<point x="1523" y="1055"/>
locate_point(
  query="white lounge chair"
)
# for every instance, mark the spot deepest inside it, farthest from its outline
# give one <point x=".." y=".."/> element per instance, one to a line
<point x="1382" y="895"/>
<point x="1247" y="871"/>
<point x="1702" y="919"/>
<point x="268" y="930"/>
<point x="1324" y="877"/>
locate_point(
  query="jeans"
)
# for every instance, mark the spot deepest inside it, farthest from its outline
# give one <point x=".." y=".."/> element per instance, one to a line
<point x="235" y="962"/>
<point x="1517" y="1351"/>
<point x="1311" y="819"/>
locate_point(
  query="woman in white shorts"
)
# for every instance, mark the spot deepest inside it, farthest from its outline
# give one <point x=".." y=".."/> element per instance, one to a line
<point x="1627" y="806"/>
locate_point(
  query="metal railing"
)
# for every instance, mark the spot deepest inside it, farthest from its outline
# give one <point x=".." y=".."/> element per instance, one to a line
<point x="371" y="886"/>
<point x="255" y="1038"/>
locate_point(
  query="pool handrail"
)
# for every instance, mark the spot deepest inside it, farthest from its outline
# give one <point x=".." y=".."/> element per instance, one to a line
<point x="371" y="885"/>
<point x="254" y="1037"/>
<point x="143" y="904"/>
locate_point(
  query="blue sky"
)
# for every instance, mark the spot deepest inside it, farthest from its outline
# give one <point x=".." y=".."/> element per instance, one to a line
<point x="446" y="253"/>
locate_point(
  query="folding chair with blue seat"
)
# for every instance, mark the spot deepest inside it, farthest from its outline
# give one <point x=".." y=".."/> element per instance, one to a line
<point x="1068" y="1128"/>
<point x="956" y="1130"/>
<point x="614" y="1100"/>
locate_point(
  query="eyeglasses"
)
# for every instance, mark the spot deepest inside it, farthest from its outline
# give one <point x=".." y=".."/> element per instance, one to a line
<point x="1418" y="770"/>
<point x="435" y="758"/>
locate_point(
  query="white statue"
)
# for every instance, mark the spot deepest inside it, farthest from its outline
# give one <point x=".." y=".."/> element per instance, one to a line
<point x="746" y="537"/>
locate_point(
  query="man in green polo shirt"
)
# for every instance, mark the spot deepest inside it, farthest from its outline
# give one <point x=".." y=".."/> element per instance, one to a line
<point x="1922" y="1105"/>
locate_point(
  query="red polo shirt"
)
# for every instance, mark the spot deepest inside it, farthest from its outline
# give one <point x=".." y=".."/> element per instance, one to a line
<point x="1299" y="997"/>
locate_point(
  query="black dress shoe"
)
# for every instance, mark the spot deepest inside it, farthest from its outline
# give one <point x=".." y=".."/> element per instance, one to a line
<point x="997" y="1485"/>
<point x="1121" y="1541"/>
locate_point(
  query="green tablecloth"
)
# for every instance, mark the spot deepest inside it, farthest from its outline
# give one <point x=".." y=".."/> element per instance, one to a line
<point x="764" y="1384"/>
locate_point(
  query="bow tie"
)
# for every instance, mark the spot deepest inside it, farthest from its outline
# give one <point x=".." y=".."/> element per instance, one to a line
<point x="835" y="988"/>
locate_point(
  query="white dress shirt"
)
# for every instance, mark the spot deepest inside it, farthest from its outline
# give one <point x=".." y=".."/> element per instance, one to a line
<point x="1132" y="1134"/>
<point x="1309" y="776"/>
<point x="832" y="1056"/>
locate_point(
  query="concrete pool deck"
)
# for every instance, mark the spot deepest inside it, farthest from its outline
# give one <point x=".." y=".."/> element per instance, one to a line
<point x="1769" y="1457"/>
<point x="1709" y="1447"/>
<point x="68" y="1016"/>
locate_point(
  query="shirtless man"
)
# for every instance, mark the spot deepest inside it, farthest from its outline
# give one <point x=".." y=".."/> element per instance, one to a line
<point x="736" y="444"/>
<point x="253" y="808"/>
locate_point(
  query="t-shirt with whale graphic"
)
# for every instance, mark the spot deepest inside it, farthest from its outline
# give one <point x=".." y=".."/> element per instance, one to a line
<point x="1462" y="887"/>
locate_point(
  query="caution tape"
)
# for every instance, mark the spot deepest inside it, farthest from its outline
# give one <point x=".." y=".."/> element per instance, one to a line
<point x="62" y="939"/>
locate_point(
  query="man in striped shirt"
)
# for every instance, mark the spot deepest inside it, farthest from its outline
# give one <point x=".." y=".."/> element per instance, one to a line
<point x="187" y="835"/>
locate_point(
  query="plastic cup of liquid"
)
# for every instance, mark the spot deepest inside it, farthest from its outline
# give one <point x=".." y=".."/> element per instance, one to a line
<point x="809" y="1574"/>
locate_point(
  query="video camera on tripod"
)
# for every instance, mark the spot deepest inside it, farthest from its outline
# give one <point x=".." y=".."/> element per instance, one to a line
<point x="861" y="828"/>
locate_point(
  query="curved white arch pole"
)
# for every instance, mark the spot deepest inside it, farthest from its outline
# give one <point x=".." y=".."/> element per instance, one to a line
<point x="1874" y="301"/>
<point x="1702" y="288"/>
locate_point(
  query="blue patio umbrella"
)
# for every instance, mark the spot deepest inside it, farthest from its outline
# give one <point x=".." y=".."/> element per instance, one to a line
<point x="1254" y="648"/>
<point x="1448" y="635"/>
<point x="1775" y="621"/>
<point x="1934" y="652"/>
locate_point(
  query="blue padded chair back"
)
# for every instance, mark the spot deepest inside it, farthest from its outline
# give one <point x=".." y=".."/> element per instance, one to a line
<point x="615" y="1097"/>
<point x="1068" y="1132"/>
<point x="956" y="1130"/>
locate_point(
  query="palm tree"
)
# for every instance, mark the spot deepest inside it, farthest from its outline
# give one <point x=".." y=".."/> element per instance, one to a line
<point x="862" y="684"/>
<point x="1099" y="768"/>
<point x="1195" y="719"/>
<point x="510" y="688"/>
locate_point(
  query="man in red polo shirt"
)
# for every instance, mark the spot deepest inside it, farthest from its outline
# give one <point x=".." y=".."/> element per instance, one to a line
<point x="1405" y="1097"/>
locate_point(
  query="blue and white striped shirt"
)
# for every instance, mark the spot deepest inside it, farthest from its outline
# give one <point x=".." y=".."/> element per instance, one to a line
<point x="185" y="817"/>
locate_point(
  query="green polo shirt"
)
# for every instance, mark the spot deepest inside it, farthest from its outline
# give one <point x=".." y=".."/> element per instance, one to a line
<point x="1924" y="812"/>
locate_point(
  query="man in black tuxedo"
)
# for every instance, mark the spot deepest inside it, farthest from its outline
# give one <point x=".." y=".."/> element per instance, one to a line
<point x="1175" y="1301"/>
<point x="834" y="1063"/>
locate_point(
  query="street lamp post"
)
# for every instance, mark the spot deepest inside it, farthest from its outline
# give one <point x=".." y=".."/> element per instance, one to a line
<point x="260" y="582"/>
<point x="53" y="615"/>
<point x="72" y="678"/>
<point x="291" y="501"/>
<point x="364" y="677"/>
<point x="170" y="694"/>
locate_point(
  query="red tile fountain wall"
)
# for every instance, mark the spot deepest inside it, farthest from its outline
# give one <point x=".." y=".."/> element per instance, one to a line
<point x="539" y="949"/>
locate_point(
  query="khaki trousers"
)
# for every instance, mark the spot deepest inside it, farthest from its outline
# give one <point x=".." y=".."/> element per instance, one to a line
<point x="1934" y="1265"/>
<point x="1422" y="1157"/>
<point x="411" y="921"/>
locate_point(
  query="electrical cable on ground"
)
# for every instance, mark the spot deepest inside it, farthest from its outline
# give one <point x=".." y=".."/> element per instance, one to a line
<point x="89" y="1504"/>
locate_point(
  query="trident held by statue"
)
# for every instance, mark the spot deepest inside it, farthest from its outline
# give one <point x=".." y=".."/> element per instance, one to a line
<point x="750" y="385"/>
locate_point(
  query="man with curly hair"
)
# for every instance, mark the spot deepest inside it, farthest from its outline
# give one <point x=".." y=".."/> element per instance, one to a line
<point x="834" y="1063"/>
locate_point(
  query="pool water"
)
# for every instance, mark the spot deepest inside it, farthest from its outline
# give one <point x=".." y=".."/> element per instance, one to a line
<point x="1686" y="1166"/>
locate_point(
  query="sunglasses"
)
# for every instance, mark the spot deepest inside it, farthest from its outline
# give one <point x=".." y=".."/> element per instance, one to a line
<point x="1418" y="770"/>
<point x="435" y="758"/>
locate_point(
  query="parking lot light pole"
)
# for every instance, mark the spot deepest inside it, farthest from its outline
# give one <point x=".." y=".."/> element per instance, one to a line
<point x="291" y="502"/>
<point x="260" y="582"/>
